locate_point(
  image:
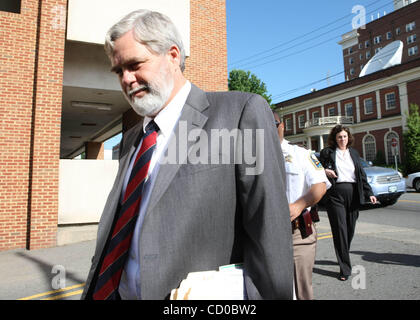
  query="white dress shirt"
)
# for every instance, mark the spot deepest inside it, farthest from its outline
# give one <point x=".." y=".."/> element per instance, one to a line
<point x="345" y="166"/>
<point x="166" y="119"/>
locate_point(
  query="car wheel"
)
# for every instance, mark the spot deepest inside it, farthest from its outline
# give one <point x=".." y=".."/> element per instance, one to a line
<point x="417" y="185"/>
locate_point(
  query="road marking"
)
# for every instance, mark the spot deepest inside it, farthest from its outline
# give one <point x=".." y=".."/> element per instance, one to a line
<point x="52" y="292"/>
<point x="412" y="201"/>
<point x="325" y="235"/>
<point x="64" y="295"/>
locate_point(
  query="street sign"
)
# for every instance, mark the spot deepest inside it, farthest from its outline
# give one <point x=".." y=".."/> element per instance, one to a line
<point x="394" y="147"/>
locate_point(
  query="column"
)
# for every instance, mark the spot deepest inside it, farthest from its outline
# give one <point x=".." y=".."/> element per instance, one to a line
<point x="44" y="158"/>
<point x="94" y="150"/>
<point x="403" y="96"/>
<point x="378" y="104"/>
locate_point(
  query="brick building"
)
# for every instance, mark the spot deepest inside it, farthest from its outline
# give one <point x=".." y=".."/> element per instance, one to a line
<point x="374" y="106"/>
<point x="57" y="97"/>
<point x="363" y="43"/>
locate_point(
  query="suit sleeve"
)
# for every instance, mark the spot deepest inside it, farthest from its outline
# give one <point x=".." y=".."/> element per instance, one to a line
<point x="268" y="258"/>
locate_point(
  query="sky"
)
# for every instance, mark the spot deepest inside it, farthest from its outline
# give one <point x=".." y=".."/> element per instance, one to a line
<point x="292" y="46"/>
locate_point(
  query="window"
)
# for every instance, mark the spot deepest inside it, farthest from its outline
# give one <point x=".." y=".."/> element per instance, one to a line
<point x="350" y="50"/>
<point x="413" y="51"/>
<point x="10" y="6"/>
<point x="315" y="115"/>
<point x="351" y="60"/>
<point x="377" y="39"/>
<point x="377" y="50"/>
<point x="331" y="112"/>
<point x="388" y="140"/>
<point x="301" y="120"/>
<point x="410" y="26"/>
<point x="348" y="109"/>
<point x="367" y="55"/>
<point x="398" y="31"/>
<point x="369" y="147"/>
<point x="368" y="104"/>
<point x="390" y="101"/>
<point x="361" y="56"/>
<point x="360" y="46"/>
<point x="388" y="35"/>
<point x="411" y="39"/>
<point x="352" y="72"/>
<point x="288" y="124"/>
<point x="367" y="44"/>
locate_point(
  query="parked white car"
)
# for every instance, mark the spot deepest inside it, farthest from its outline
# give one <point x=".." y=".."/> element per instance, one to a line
<point x="413" y="181"/>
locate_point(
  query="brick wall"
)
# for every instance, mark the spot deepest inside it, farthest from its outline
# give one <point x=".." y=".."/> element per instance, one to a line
<point x="380" y="27"/>
<point x="207" y="65"/>
<point x="31" y="59"/>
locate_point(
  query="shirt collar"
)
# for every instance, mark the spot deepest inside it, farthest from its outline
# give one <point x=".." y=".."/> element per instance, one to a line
<point x="168" y="116"/>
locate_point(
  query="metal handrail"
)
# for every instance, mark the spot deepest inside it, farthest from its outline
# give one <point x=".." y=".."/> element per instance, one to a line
<point x="329" y="121"/>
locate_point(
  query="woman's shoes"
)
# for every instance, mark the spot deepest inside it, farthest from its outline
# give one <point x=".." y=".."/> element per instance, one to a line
<point x="342" y="277"/>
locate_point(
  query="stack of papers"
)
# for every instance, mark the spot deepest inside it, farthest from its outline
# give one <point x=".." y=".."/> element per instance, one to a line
<point x="225" y="284"/>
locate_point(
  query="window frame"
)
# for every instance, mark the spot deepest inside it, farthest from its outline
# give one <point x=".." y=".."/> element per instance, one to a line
<point x="387" y="106"/>
<point x="364" y="106"/>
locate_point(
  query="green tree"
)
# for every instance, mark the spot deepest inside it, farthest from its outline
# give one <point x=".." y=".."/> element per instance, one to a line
<point x="412" y="140"/>
<point x="246" y="81"/>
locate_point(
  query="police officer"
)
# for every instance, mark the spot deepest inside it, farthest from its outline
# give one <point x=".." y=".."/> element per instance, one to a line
<point x="306" y="184"/>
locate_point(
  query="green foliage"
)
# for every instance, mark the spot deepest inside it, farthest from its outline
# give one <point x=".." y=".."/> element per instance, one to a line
<point x="241" y="80"/>
<point x="412" y="141"/>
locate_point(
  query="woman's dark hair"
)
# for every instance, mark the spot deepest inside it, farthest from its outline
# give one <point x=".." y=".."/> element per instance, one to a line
<point x="332" y="136"/>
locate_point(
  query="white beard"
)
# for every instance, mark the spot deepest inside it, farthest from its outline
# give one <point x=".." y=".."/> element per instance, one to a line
<point x="159" y="91"/>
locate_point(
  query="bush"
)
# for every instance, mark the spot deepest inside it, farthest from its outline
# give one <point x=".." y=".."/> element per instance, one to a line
<point x="412" y="141"/>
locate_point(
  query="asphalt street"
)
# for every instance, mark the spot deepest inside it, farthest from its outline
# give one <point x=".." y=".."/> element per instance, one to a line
<point x="385" y="257"/>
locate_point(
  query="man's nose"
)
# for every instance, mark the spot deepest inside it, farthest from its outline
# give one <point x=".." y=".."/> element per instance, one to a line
<point x="128" y="77"/>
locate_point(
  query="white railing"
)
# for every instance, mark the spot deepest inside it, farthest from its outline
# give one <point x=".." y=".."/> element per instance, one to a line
<point x="329" y="121"/>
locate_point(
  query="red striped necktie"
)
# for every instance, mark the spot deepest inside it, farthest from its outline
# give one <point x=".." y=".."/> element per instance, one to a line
<point x="117" y="249"/>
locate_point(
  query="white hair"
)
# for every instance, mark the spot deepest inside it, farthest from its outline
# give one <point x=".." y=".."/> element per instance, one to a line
<point x="150" y="28"/>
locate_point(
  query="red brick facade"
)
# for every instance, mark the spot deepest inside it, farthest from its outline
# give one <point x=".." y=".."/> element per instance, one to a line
<point x="389" y="28"/>
<point x="394" y="98"/>
<point x="207" y="64"/>
<point x="32" y="53"/>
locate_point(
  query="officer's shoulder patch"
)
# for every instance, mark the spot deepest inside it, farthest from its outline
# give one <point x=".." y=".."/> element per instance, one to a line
<point x="314" y="160"/>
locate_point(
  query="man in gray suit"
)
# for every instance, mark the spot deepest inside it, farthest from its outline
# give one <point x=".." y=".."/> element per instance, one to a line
<point x="203" y="204"/>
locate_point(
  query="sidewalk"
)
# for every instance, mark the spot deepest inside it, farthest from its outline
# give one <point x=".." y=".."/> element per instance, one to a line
<point x="26" y="273"/>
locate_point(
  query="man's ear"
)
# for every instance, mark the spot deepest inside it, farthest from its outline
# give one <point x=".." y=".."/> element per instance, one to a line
<point x="174" y="55"/>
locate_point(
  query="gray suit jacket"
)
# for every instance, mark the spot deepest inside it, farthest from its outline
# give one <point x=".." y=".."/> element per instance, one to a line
<point x="201" y="216"/>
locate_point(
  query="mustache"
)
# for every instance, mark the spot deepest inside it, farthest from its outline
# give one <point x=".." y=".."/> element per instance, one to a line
<point x="137" y="89"/>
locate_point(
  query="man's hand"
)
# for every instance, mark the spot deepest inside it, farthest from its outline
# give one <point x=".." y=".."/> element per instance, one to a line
<point x="295" y="210"/>
<point x="330" y="173"/>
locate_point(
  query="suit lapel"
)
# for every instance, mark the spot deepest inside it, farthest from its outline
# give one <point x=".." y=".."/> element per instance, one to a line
<point x="191" y="118"/>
